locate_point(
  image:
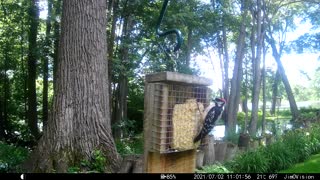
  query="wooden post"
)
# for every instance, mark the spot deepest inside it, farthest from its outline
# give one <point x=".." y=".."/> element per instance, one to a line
<point x="209" y="152"/>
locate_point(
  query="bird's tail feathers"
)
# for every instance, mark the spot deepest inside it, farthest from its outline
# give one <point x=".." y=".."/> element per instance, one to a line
<point x="197" y="138"/>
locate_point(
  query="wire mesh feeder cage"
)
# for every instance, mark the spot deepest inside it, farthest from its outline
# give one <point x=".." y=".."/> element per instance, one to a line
<point x="175" y="108"/>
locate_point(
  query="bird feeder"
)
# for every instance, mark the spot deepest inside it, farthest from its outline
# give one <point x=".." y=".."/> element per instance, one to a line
<point x="174" y="105"/>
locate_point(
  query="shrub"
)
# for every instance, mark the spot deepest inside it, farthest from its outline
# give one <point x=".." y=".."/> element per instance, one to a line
<point x="11" y="157"/>
<point x="215" y="168"/>
<point x="250" y="162"/>
<point x="130" y="145"/>
<point x="280" y="157"/>
<point x="96" y="164"/>
<point x="293" y="147"/>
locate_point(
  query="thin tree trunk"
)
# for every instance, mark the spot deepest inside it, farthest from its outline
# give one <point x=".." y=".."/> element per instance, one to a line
<point x="32" y="64"/>
<point x="45" y="66"/>
<point x="256" y="46"/>
<point x="264" y="91"/>
<point x="2" y="126"/>
<point x="111" y="39"/>
<point x="226" y="64"/>
<point x="277" y="56"/>
<point x="4" y="99"/>
<point x="275" y="92"/>
<point x="56" y="36"/>
<point x="24" y="72"/>
<point x="121" y="99"/>
<point x="225" y="75"/>
<point x="189" y="47"/>
<point x="234" y="98"/>
<point x="80" y="120"/>
<point x="6" y="96"/>
<point x="246" y="97"/>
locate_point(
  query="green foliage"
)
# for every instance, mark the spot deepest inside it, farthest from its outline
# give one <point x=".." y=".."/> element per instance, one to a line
<point x="126" y="125"/>
<point x="250" y="162"/>
<point x="215" y="168"/>
<point x="232" y="137"/>
<point x="96" y="164"/>
<point x="295" y="146"/>
<point x="130" y="145"/>
<point x="73" y="169"/>
<point x="283" y="113"/>
<point x="136" y="103"/>
<point x="11" y="157"/>
<point x="279" y="156"/>
<point x="308" y="113"/>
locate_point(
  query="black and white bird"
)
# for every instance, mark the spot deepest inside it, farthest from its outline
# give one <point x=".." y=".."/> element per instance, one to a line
<point x="212" y="116"/>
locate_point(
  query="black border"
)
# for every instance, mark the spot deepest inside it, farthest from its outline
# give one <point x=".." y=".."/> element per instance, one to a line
<point x="160" y="176"/>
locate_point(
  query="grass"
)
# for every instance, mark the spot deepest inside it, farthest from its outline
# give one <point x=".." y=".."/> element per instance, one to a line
<point x="310" y="166"/>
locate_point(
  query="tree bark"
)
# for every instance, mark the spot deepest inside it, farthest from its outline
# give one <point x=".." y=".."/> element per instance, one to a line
<point x="234" y="98"/>
<point x="277" y="56"/>
<point x="111" y="39"/>
<point x="2" y="126"/>
<point x="80" y="120"/>
<point x="275" y="92"/>
<point x="32" y="74"/>
<point x="189" y="47"/>
<point x="122" y="88"/>
<point x="4" y="96"/>
<point x="226" y="64"/>
<point x="263" y="126"/>
<point x="56" y="35"/>
<point x="256" y="46"/>
<point x="45" y="66"/>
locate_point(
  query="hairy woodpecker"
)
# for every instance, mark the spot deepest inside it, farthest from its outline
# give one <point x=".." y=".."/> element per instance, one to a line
<point x="212" y="116"/>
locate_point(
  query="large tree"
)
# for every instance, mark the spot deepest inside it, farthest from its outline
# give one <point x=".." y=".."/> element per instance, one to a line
<point x="79" y="122"/>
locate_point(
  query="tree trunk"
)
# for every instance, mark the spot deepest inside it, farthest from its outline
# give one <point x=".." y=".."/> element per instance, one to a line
<point x="234" y="98"/>
<point x="121" y="105"/>
<point x="45" y="66"/>
<point x="111" y="39"/>
<point x="80" y="121"/>
<point x="246" y="97"/>
<point x="275" y="92"/>
<point x="23" y="69"/>
<point x="4" y="93"/>
<point x="223" y="52"/>
<point x="264" y="91"/>
<point x="277" y="56"/>
<point x="2" y="126"/>
<point x="189" y="47"/>
<point x="121" y="98"/>
<point x="32" y="75"/>
<point x="226" y="64"/>
<point x="256" y="46"/>
<point x="56" y="35"/>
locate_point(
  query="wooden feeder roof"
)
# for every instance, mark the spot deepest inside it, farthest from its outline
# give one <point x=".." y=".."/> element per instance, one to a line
<point x="178" y="78"/>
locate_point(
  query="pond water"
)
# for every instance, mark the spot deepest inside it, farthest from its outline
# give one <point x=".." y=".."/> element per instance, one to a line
<point x="277" y="127"/>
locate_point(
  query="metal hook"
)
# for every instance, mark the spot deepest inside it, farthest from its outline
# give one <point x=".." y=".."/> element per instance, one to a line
<point x="171" y="31"/>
